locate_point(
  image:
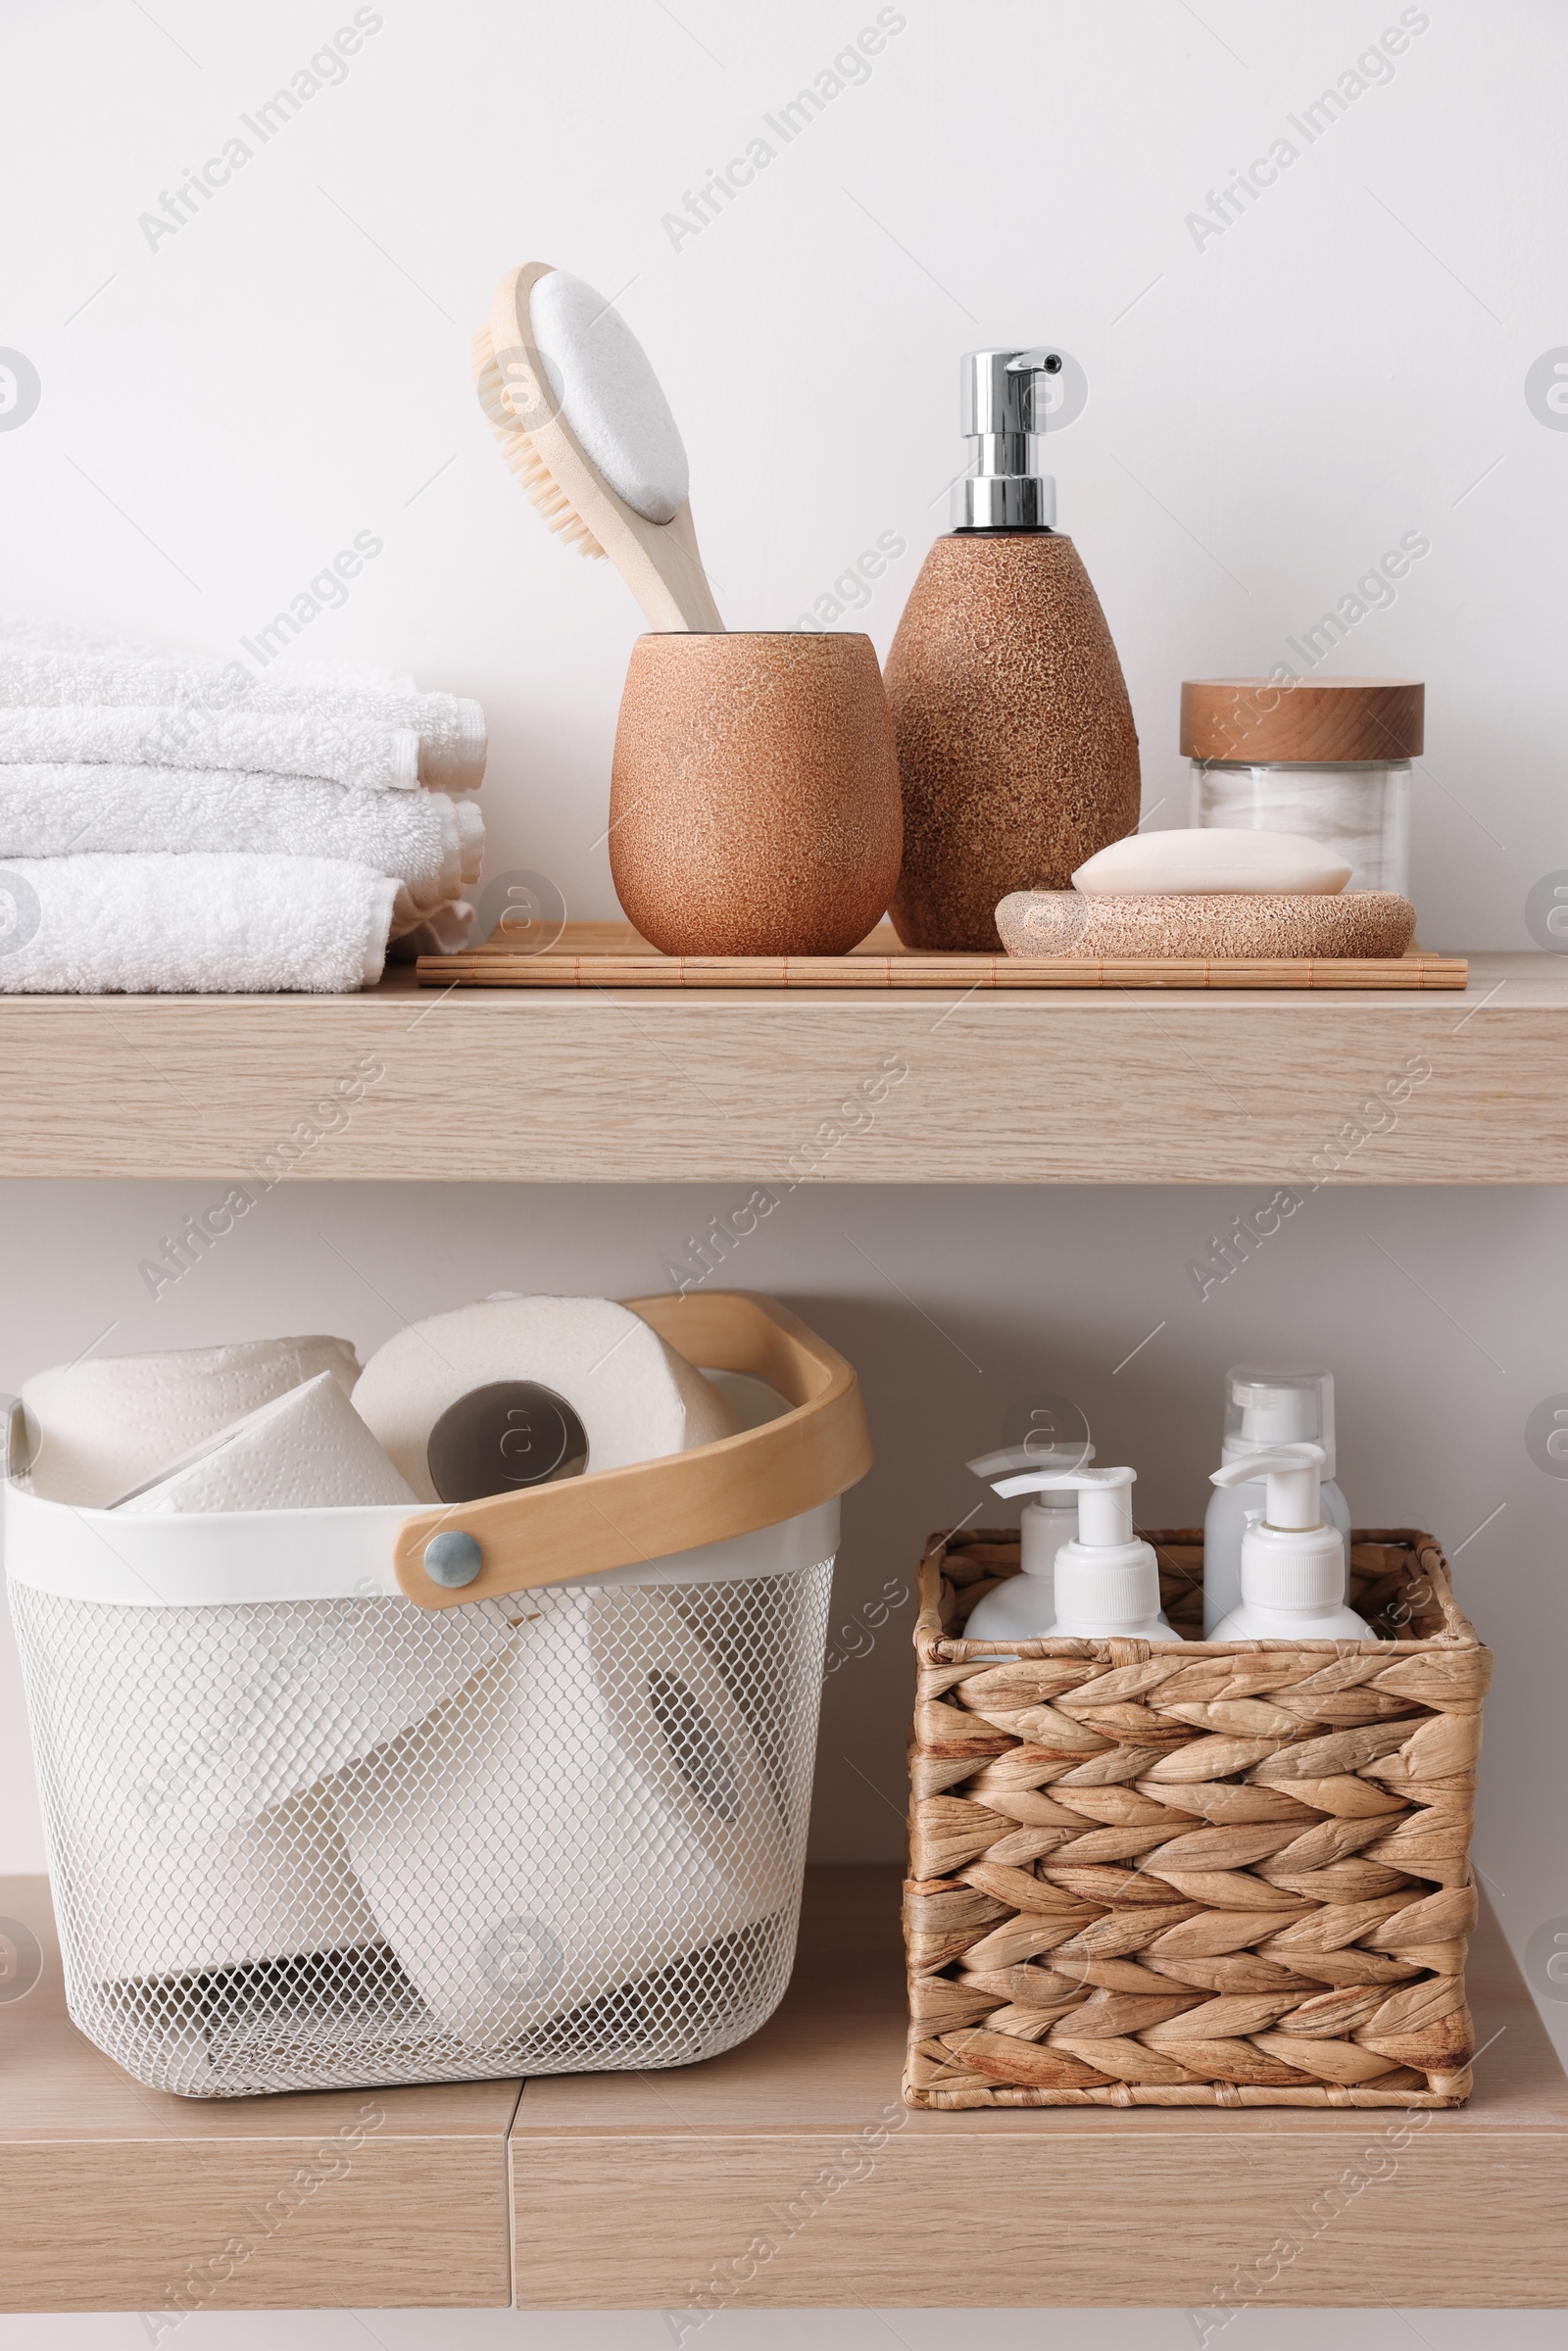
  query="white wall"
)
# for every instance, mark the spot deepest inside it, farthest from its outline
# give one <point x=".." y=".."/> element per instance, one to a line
<point x="1285" y="399"/>
<point x="956" y="1305"/>
<point x="1269" y="409"/>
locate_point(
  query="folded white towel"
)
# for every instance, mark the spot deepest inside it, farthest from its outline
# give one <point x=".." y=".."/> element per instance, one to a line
<point x="361" y="753"/>
<point x="432" y="844"/>
<point x="197" y="925"/>
<point x="428" y="930"/>
<point x="43" y="667"/>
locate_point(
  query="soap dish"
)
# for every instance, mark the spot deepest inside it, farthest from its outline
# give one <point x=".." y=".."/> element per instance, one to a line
<point x="1366" y="924"/>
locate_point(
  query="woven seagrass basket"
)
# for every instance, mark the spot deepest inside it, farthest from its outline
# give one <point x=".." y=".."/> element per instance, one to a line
<point x="1219" y="1874"/>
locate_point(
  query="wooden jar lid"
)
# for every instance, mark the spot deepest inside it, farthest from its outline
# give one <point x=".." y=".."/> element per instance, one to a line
<point x="1257" y="719"/>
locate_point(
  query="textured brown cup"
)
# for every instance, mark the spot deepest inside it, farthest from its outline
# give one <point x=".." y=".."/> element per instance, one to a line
<point x="1016" y="745"/>
<point x="754" y="801"/>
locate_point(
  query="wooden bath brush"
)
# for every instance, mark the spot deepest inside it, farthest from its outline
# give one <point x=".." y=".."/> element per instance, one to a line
<point x="584" y="426"/>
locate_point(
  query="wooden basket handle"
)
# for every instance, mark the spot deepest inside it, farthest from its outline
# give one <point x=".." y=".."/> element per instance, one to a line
<point x="618" y="1517"/>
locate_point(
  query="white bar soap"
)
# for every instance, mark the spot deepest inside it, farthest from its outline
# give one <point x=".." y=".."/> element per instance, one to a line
<point x="1212" y="861"/>
<point x="636" y="1397"/>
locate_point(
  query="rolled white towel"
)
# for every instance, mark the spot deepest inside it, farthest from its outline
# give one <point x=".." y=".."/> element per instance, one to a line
<point x="431" y="843"/>
<point x="428" y="930"/>
<point x="44" y="667"/>
<point x="192" y="926"/>
<point x="361" y="753"/>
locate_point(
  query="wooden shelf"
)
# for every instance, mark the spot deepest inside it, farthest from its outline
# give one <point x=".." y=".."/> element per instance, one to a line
<point x="1068" y="1086"/>
<point x="118" y="2197"/>
<point x="634" y="2192"/>
<point x="629" y="2191"/>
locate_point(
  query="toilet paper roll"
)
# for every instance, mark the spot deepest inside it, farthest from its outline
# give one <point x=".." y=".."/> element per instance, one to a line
<point x="173" y="1896"/>
<point x="307" y="1450"/>
<point x="104" y="1425"/>
<point x="635" y="1396"/>
<point x="185" y="1723"/>
<point x="589" y="1809"/>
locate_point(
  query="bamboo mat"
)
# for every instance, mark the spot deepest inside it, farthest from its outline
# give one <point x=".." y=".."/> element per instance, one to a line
<point x="612" y="954"/>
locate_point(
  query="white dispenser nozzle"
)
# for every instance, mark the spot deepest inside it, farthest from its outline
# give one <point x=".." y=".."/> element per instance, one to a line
<point x="1104" y="1499"/>
<point x="1107" y="1582"/>
<point x="1265" y="1407"/>
<point x="1294" y="1474"/>
<point x="1025" y="1607"/>
<point x="1047" y="1459"/>
<point x="1292" y="1564"/>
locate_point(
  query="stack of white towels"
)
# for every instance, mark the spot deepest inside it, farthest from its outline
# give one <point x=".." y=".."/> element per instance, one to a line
<point x="170" y="822"/>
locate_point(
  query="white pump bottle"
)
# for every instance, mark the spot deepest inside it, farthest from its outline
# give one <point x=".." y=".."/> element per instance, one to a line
<point x="1023" y="1607"/>
<point x="1265" y="1408"/>
<point x="1107" y="1580"/>
<point x="1292" y="1563"/>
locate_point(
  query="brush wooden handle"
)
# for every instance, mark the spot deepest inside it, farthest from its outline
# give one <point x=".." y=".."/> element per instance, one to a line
<point x="659" y="560"/>
<point x="618" y="1517"/>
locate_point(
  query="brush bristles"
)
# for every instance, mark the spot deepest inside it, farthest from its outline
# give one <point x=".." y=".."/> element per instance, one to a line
<point x="522" y="458"/>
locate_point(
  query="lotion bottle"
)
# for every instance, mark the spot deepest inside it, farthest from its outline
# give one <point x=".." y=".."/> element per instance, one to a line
<point x="1293" y="1561"/>
<point x="1107" y="1580"/>
<point x="1024" y="1605"/>
<point x="1017" y="754"/>
<point x="1263" y="1408"/>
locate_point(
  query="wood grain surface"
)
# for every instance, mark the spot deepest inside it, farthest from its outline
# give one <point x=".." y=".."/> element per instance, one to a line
<point x="639" y="2191"/>
<point x="607" y="954"/>
<point x="788" y="2174"/>
<point x="1076" y="1086"/>
<point x="116" y="2197"/>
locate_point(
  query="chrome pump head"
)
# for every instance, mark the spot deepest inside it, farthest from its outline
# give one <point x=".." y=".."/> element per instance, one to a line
<point x="1002" y="416"/>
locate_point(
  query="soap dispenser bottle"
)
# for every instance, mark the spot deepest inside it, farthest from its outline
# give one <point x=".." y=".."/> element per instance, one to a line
<point x="1017" y="754"/>
<point x="1293" y="1561"/>
<point x="1023" y="1607"/>
<point x="1263" y="1408"/>
<point x="1107" y="1581"/>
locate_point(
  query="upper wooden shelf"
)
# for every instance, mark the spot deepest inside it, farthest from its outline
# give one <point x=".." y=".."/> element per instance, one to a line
<point x="1064" y="1086"/>
<point x="784" y="2175"/>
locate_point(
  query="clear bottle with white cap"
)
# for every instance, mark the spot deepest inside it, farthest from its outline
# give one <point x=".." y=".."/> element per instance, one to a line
<point x="1293" y="1561"/>
<point x="1107" y="1580"/>
<point x="1263" y="1408"/>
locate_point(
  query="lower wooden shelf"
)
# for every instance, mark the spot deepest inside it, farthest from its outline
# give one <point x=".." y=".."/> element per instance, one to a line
<point x="116" y="2197"/>
<point x="784" y="2175"/>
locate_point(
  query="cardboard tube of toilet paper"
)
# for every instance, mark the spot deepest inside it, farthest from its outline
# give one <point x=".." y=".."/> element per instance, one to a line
<point x="636" y="1397"/>
<point x="306" y="1451"/>
<point x="102" y="1427"/>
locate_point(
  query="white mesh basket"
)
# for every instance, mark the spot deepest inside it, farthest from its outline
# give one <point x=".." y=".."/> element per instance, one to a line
<point x="315" y="1822"/>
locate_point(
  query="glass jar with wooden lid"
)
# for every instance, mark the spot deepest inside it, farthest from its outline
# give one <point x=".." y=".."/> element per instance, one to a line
<point x="1328" y="758"/>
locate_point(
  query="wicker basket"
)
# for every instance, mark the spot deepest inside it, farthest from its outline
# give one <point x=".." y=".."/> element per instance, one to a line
<point x="1229" y="1874"/>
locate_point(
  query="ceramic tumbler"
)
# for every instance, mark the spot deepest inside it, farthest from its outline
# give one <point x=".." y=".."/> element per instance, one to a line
<point x="755" y="805"/>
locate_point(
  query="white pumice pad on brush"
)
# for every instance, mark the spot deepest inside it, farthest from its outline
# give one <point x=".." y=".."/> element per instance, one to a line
<point x="104" y="1425"/>
<point x="614" y="403"/>
<point x="636" y="1397"/>
<point x="306" y="1451"/>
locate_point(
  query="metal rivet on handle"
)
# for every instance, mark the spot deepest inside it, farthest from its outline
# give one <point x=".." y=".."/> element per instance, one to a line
<point x="451" y="1558"/>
